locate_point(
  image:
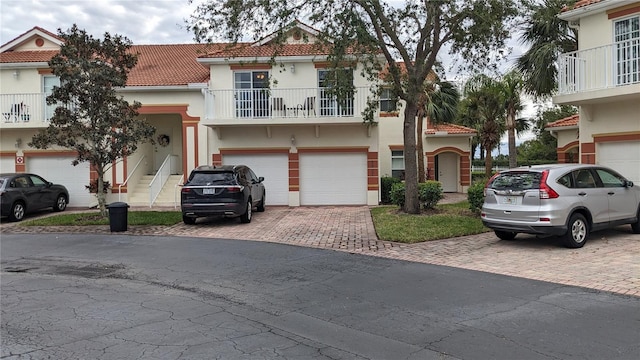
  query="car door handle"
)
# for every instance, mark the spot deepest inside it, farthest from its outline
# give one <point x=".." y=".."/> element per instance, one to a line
<point x="611" y="193"/>
<point x="582" y="193"/>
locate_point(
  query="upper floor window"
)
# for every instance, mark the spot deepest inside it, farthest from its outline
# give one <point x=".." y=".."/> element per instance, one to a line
<point x="627" y="50"/>
<point x="251" y="93"/>
<point x="332" y="104"/>
<point x="48" y="82"/>
<point x="388" y="102"/>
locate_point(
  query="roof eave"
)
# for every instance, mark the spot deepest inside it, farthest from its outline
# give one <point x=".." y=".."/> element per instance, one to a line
<point x="260" y="59"/>
<point x="21" y="39"/>
<point x="156" y="88"/>
<point x="24" y="65"/>
<point x="590" y="9"/>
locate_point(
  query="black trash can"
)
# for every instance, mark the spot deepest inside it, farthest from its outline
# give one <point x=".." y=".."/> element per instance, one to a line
<point x="118" y="212"/>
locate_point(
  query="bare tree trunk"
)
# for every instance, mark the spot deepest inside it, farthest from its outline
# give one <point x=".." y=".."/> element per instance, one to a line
<point x="419" y="147"/>
<point x="488" y="163"/>
<point x="102" y="203"/>
<point x="411" y="203"/>
<point x="511" y="131"/>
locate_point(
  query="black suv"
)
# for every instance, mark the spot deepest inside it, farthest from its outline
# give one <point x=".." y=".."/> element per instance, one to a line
<point x="228" y="190"/>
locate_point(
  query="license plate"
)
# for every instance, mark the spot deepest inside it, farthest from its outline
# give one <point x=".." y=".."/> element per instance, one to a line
<point x="510" y="200"/>
<point x="208" y="191"/>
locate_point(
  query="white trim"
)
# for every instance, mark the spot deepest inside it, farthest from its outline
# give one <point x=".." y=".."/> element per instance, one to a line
<point x="26" y="36"/>
<point x="306" y="28"/>
<point x="24" y="65"/>
<point x="591" y="9"/>
<point x="139" y="88"/>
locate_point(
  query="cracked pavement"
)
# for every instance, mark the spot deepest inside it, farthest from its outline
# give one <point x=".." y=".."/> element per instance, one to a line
<point x="122" y="296"/>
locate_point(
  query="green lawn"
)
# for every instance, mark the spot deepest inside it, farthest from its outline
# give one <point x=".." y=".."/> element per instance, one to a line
<point x="447" y="220"/>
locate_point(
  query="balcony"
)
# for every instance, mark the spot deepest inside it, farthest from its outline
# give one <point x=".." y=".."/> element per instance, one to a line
<point x="600" y="73"/>
<point x="25" y="110"/>
<point x="283" y="106"/>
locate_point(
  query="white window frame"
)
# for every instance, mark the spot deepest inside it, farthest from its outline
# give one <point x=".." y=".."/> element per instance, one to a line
<point x="626" y="51"/>
<point x="397" y="171"/>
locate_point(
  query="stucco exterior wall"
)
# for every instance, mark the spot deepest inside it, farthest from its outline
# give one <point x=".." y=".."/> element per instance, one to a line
<point x="28" y="81"/>
<point x="614" y="117"/>
<point x="566" y="136"/>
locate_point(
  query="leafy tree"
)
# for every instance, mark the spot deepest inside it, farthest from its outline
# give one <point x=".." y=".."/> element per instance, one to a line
<point x="414" y="32"/>
<point x="548" y="36"/>
<point x="543" y="147"/>
<point x="90" y="117"/>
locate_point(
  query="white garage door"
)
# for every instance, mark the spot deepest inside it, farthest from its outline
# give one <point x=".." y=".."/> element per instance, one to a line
<point x="623" y="157"/>
<point x="7" y="164"/>
<point x="333" y="179"/>
<point x="60" y="171"/>
<point x="275" y="170"/>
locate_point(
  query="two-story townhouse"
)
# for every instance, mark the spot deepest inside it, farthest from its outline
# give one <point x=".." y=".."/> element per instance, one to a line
<point x="215" y="105"/>
<point x="602" y="78"/>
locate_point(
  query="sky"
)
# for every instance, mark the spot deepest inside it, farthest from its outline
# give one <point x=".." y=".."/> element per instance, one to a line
<point x="142" y="21"/>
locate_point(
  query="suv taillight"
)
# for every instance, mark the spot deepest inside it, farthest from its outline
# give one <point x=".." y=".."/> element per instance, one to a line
<point x="186" y="190"/>
<point x="546" y="192"/>
<point x="489" y="182"/>
<point x="234" y="189"/>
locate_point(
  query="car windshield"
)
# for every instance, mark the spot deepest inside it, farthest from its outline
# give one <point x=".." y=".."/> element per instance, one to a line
<point x="217" y="178"/>
<point x="516" y="181"/>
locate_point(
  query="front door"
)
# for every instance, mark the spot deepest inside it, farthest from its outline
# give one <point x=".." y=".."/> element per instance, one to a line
<point x="448" y="171"/>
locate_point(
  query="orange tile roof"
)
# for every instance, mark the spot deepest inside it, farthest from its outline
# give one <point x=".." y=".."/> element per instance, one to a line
<point x="158" y="65"/>
<point x="568" y="121"/>
<point x="165" y="65"/>
<point x="247" y="50"/>
<point x="450" y="129"/>
<point x="27" y="56"/>
<point x="579" y="4"/>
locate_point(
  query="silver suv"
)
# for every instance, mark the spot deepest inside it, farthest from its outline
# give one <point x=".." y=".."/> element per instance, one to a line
<point x="566" y="200"/>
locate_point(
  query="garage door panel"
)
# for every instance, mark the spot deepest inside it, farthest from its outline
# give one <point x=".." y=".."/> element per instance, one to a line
<point x="623" y="157"/>
<point x="60" y="171"/>
<point x="275" y="170"/>
<point x="333" y="179"/>
<point x="7" y="164"/>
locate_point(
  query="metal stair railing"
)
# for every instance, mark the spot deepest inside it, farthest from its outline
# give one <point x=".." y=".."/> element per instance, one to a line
<point x="128" y="178"/>
<point x="161" y="177"/>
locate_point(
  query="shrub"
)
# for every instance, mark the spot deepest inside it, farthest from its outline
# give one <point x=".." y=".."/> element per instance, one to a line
<point x="396" y="194"/>
<point x="475" y="196"/>
<point x="430" y="193"/>
<point x="385" y="183"/>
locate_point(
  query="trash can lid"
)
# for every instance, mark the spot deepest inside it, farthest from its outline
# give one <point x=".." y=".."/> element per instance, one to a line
<point x="118" y="205"/>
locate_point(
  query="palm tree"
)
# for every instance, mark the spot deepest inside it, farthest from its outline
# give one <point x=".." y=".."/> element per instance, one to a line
<point x="512" y="85"/>
<point x="548" y="36"/>
<point x="439" y="103"/>
<point x="486" y="101"/>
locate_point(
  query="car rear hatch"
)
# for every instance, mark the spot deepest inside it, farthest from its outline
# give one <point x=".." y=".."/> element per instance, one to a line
<point x="212" y="187"/>
<point x="513" y="196"/>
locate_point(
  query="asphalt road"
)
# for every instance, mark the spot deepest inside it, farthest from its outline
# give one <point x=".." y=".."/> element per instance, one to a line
<point x="83" y="296"/>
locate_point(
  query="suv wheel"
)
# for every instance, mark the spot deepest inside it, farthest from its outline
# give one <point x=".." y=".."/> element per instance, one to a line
<point x="188" y="220"/>
<point x="61" y="203"/>
<point x="17" y="211"/>
<point x="635" y="227"/>
<point x="577" y="232"/>
<point x="246" y="217"/>
<point x="506" y="235"/>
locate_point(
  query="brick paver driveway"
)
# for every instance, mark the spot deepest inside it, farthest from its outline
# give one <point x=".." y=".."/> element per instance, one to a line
<point x="610" y="261"/>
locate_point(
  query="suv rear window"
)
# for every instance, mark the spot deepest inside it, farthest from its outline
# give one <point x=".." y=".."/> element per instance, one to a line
<point x="212" y="178"/>
<point x="516" y="181"/>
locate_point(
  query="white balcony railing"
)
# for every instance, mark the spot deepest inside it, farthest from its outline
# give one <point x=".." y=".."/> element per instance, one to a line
<point x="22" y="108"/>
<point x="599" y="68"/>
<point x="283" y="103"/>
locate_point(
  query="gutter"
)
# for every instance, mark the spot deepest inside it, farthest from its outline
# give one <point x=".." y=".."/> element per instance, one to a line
<point x="591" y="9"/>
<point x="158" y="88"/>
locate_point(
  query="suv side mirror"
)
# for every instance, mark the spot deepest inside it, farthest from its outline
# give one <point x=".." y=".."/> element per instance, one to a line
<point x="628" y="183"/>
<point x="261" y="179"/>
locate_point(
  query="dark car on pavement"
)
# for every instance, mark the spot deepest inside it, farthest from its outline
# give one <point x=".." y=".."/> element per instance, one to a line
<point x="227" y="190"/>
<point x="566" y="200"/>
<point x="24" y="193"/>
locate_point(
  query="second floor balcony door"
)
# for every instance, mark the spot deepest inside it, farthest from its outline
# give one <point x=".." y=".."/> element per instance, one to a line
<point x="251" y="94"/>
<point x="48" y="82"/>
<point x="331" y="104"/>
<point x="627" y="50"/>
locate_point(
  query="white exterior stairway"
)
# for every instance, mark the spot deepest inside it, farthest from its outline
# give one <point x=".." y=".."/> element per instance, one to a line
<point x="169" y="196"/>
